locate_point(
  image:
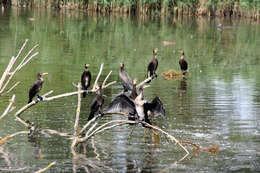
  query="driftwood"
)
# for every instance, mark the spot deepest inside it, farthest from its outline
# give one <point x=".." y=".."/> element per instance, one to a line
<point x="91" y="127"/>
<point x="76" y="125"/>
<point x="12" y="135"/>
<point x="7" y="72"/>
<point x="47" y="167"/>
<point x="13" y="169"/>
<point x="9" y="107"/>
<point x="114" y="123"/>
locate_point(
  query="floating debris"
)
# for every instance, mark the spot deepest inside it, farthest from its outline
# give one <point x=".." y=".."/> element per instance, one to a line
<point x="172" y="75"/>
<point x="212" y="149"/>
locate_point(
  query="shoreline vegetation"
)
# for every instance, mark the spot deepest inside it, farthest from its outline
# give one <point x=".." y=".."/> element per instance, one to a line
<point x="220" y="8"/>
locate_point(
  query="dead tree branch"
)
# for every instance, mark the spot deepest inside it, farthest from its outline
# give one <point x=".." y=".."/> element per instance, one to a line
<point x="7" y="72"/>
<point x="76" y="125"/>
<point x="7" y="110"/>
<point x="144" y="82"/>
<point x="47" y="167"/>
<point x="12" y="135"/>
<point x="97" y="78"/>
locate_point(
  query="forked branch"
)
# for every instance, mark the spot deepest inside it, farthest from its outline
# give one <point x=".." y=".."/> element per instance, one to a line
<point x="3" y="84"/>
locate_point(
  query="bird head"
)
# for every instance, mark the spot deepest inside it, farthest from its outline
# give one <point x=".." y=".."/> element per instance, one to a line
<point x="182" y="52"/>
<point x="86" y="65"/>
<point x="155" y="50"/>
<point x="41" y="74"/>
<point x="122" y="65"/>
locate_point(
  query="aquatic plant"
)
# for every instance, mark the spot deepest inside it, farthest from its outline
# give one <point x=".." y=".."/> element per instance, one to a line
<point x="247" y="8"/>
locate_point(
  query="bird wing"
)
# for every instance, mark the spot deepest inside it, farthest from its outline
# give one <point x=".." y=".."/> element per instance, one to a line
<point x="85" y="79"/>
<point x="121" y="103"/>
<point x="183" y="64"/>
<point x="35" y="88"/>
<point x="155" y="106"/>
<point x="126" y="80"/>
<point x="150" y="68"/>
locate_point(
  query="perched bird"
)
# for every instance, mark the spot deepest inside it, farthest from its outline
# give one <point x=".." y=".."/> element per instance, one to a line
<point x="36" y="86"/>
<point x="183" y="63"/>
<point x="152" y="66"/>
<point x="97" y="103"/>
<point x="139" y="106"/>
<point x="137" y="109"/>
<point x="85" y="79"/>
<point x="125" y="79"/>
<point x="121" y="103"/>
<point x="133" y="94"/>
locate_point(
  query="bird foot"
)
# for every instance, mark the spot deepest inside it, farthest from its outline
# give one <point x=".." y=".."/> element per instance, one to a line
<point x="154" y="76"/>
<point x="40" y="97"/>
<point x="100" y="115"/>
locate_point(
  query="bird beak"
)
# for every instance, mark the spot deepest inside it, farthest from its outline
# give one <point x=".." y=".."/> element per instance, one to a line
<point x="43" y="74"/>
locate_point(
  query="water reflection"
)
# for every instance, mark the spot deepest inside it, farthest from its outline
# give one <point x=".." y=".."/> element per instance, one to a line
<point x="36" y="145"/>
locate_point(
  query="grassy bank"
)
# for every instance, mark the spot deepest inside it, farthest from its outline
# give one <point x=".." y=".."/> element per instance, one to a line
<point x="226" y="8"/>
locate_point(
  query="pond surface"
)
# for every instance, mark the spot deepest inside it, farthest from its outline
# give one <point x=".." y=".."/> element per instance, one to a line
<point x="219" y="103"/>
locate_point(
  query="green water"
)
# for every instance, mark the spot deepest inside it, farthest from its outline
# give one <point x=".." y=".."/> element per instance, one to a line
<point x="218" y="103"/>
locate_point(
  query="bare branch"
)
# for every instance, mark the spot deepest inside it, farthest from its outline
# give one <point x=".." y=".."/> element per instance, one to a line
<point x="47" y="167"/>
<point x="93" y="119"/>
<point x="168" y="135"/>
<point x="22" y="48"/>
<point x="142" y="83"/>
<point x="15" y="85"/>
<point x="7" y="110"/>
<point x="21" y="63"/>
<point x="31" y="104"/>
<point x="29" y="59"/>
<point x="12" y="135"/>
<point x="13" y="170"/>
<point x="98" y="76"/>
<point x="50" y="131"/>
<point x="107" y="85"/>
<point x="104" y="82"/>
<point x="76" y="125"/>
<point x="86" y="125"/>
<point x="7" y="70"/>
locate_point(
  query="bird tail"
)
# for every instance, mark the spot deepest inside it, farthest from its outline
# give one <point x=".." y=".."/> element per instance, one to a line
<point x="30" y="100"/>
<point x="84" y="94"/>
<point x="91" y="115"/>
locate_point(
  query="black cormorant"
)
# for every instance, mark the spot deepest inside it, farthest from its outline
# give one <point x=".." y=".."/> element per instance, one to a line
<point x="97" y="103"/>
<point x="136" y="109"/>
<point x="183" y="64"/>
<point x="36" y="86"/>
<point x="152" y="66"/>
<point x="85" y="79"/>
<point x="125" y="79"/>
